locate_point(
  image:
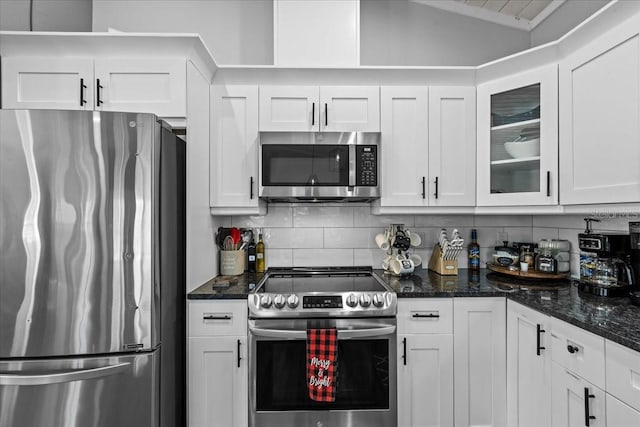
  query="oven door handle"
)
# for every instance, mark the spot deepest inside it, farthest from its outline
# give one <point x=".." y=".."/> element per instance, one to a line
<point x="343" y="334"/>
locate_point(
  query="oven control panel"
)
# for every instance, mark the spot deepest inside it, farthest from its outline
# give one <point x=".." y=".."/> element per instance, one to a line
<point x="333" y="305"/>
<point x="329" y="301"/>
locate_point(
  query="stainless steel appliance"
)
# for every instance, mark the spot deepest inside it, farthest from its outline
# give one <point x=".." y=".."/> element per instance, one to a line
<point x="634" y="237"/>
<point x="607" y="270"/>
<point x="362" y="308"/>
<point x="92" y="270"/>
<point x="315" y="167"/>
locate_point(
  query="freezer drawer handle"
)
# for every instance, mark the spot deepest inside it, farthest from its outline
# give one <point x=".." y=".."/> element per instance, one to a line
<point x="64" y="377"/>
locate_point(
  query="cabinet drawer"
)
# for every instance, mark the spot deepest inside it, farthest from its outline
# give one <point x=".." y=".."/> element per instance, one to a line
<point x="425" y="316"/>
<point x="219" y="318"/>
<point x="623" y="374"/>
<point x="579" y="351"/>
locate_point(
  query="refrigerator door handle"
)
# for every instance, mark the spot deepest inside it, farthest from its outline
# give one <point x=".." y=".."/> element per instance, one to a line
<point x="63" y="377"/>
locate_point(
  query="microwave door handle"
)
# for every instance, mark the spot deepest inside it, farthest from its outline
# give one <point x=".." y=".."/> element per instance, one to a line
<point x="343" y="334"/>
<point x="352" y="165"/>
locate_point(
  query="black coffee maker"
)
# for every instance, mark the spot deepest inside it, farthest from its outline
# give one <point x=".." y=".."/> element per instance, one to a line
<point x="605" y="267"/>
<point x="634" y="236"/>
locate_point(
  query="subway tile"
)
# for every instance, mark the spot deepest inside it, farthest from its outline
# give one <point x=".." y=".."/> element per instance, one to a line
<point x="446" y="221"/>
<point x="487" y="236"/>
<point x="540" y="233"/>
<point x="323" y="257"/>
<point x="364" y="218"/>
<point x="369" y="257"/>
<point x="560" y="221"/>
<point x="323" y="216"/>
<point x="279" y="216"/>
<point x="503" y="221"/>
<point x="293" y="238"/>
<point x="519" y="234"/>
<point x="350" y="238"/>
<point x="279" y="257"/>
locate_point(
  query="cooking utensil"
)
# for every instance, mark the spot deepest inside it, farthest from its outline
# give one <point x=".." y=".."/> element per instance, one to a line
<point x="228" y="244"/>
<point x="236" y="235"/>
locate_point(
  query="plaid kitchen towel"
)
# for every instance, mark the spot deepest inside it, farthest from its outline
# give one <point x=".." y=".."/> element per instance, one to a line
<point x="322" y="369"/>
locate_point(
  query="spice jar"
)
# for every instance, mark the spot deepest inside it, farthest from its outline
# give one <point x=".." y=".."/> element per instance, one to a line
<point x="545" y="262"/>
<point x="526" y="255"/>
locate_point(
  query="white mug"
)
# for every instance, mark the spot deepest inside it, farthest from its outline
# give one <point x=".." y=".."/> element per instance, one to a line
<point x="382" y="241"/>
<point x="416" y="259"/>
<point x="385" y="263"/>
<point x="400" y="266"/>
<point x="415" y="238"/>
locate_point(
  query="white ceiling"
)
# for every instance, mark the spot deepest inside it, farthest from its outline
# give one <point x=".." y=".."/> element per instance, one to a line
<point x="520" y="14"/>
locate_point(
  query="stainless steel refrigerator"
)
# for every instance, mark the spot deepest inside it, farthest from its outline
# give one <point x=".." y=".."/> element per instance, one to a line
<point x="92" y="270"/>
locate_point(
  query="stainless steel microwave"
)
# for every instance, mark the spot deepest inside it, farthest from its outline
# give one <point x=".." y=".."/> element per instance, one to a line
<point x="319" y="167"/>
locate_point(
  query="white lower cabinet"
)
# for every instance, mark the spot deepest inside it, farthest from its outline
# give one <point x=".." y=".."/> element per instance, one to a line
<point x="620" y="414"/>
<point x="479" y="331"/>
<point x="425" y="363"/>
<point x="528" y="367"/>
<point x="575" y="402"/>
<point x="217" y="391"/>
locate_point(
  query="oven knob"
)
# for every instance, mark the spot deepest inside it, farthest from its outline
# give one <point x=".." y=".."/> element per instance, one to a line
<point x="265" y="301"/>
<point x="293" y="301"/>
<point x="352" y="300"/>
<point x="279" y="301"/>
<point x="378" y="300"/>
<point x="365" y="300"/>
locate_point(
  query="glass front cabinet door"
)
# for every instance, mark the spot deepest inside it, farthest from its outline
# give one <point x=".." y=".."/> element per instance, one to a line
<point x="518" y="139"/>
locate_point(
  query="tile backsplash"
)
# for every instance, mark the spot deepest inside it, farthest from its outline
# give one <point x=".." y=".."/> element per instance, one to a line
<point x="343" y="235"/>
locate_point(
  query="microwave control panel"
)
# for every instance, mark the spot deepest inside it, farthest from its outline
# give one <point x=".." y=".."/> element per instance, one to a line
<point x="367" y="165"/>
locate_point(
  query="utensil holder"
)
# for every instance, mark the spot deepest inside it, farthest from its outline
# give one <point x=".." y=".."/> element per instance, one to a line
<point x="232" y="263"/>
<point x="441" y="266"/>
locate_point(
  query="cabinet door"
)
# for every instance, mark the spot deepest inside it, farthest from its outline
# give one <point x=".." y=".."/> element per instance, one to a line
<point x="47" y="83"/>
<point x="149" y="85"/>
<point x="528" y="367"/>
<point x="316" y="33"/>
<point x="425" y="380"/>
<point x="350" y="108"/>
<point x="234" y="147"/>
<point x="289" y="108"/>
<point x="621" y="415"/>
<point x="479" y="331"/>
<point x="518" y="139"/>
<point x="452" y="146"/>
<point x="218" y="388"/>
<point x="404" y="145"/>
<point x="600" y="116"/>
<point x="574" y="401"/>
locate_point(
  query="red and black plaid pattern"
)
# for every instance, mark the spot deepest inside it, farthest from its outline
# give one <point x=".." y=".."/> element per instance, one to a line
<point x="322" y="358"/>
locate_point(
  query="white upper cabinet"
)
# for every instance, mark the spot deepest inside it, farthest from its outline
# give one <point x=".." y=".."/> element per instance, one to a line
<point x="156" y="85"/>
<point x="145" y="85"/>
<point x="350" y="108"/>
<point x="316" y="33"/>
<point x="428" y="146"/>
<point x="518" y="139"/>
<point x="452" y="146"/>
<point x="234" y="150"/>
<point x="320" y="108"/>
<point x="404" y="145"/>
<point x="600" y="117"/>
<point x="65" y="84"/>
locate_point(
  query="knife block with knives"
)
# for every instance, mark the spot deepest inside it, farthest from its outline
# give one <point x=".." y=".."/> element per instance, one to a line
<point x="444" y="259"/>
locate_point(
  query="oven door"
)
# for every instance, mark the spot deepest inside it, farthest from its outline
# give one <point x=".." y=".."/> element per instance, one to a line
<point x="366" y="378"/>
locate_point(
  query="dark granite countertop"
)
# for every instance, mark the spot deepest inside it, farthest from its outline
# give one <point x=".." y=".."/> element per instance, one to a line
<point x="612" y="318"/>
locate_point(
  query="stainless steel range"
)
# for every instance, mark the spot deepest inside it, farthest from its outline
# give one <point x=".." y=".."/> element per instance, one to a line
<point x="289" y="302"/>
